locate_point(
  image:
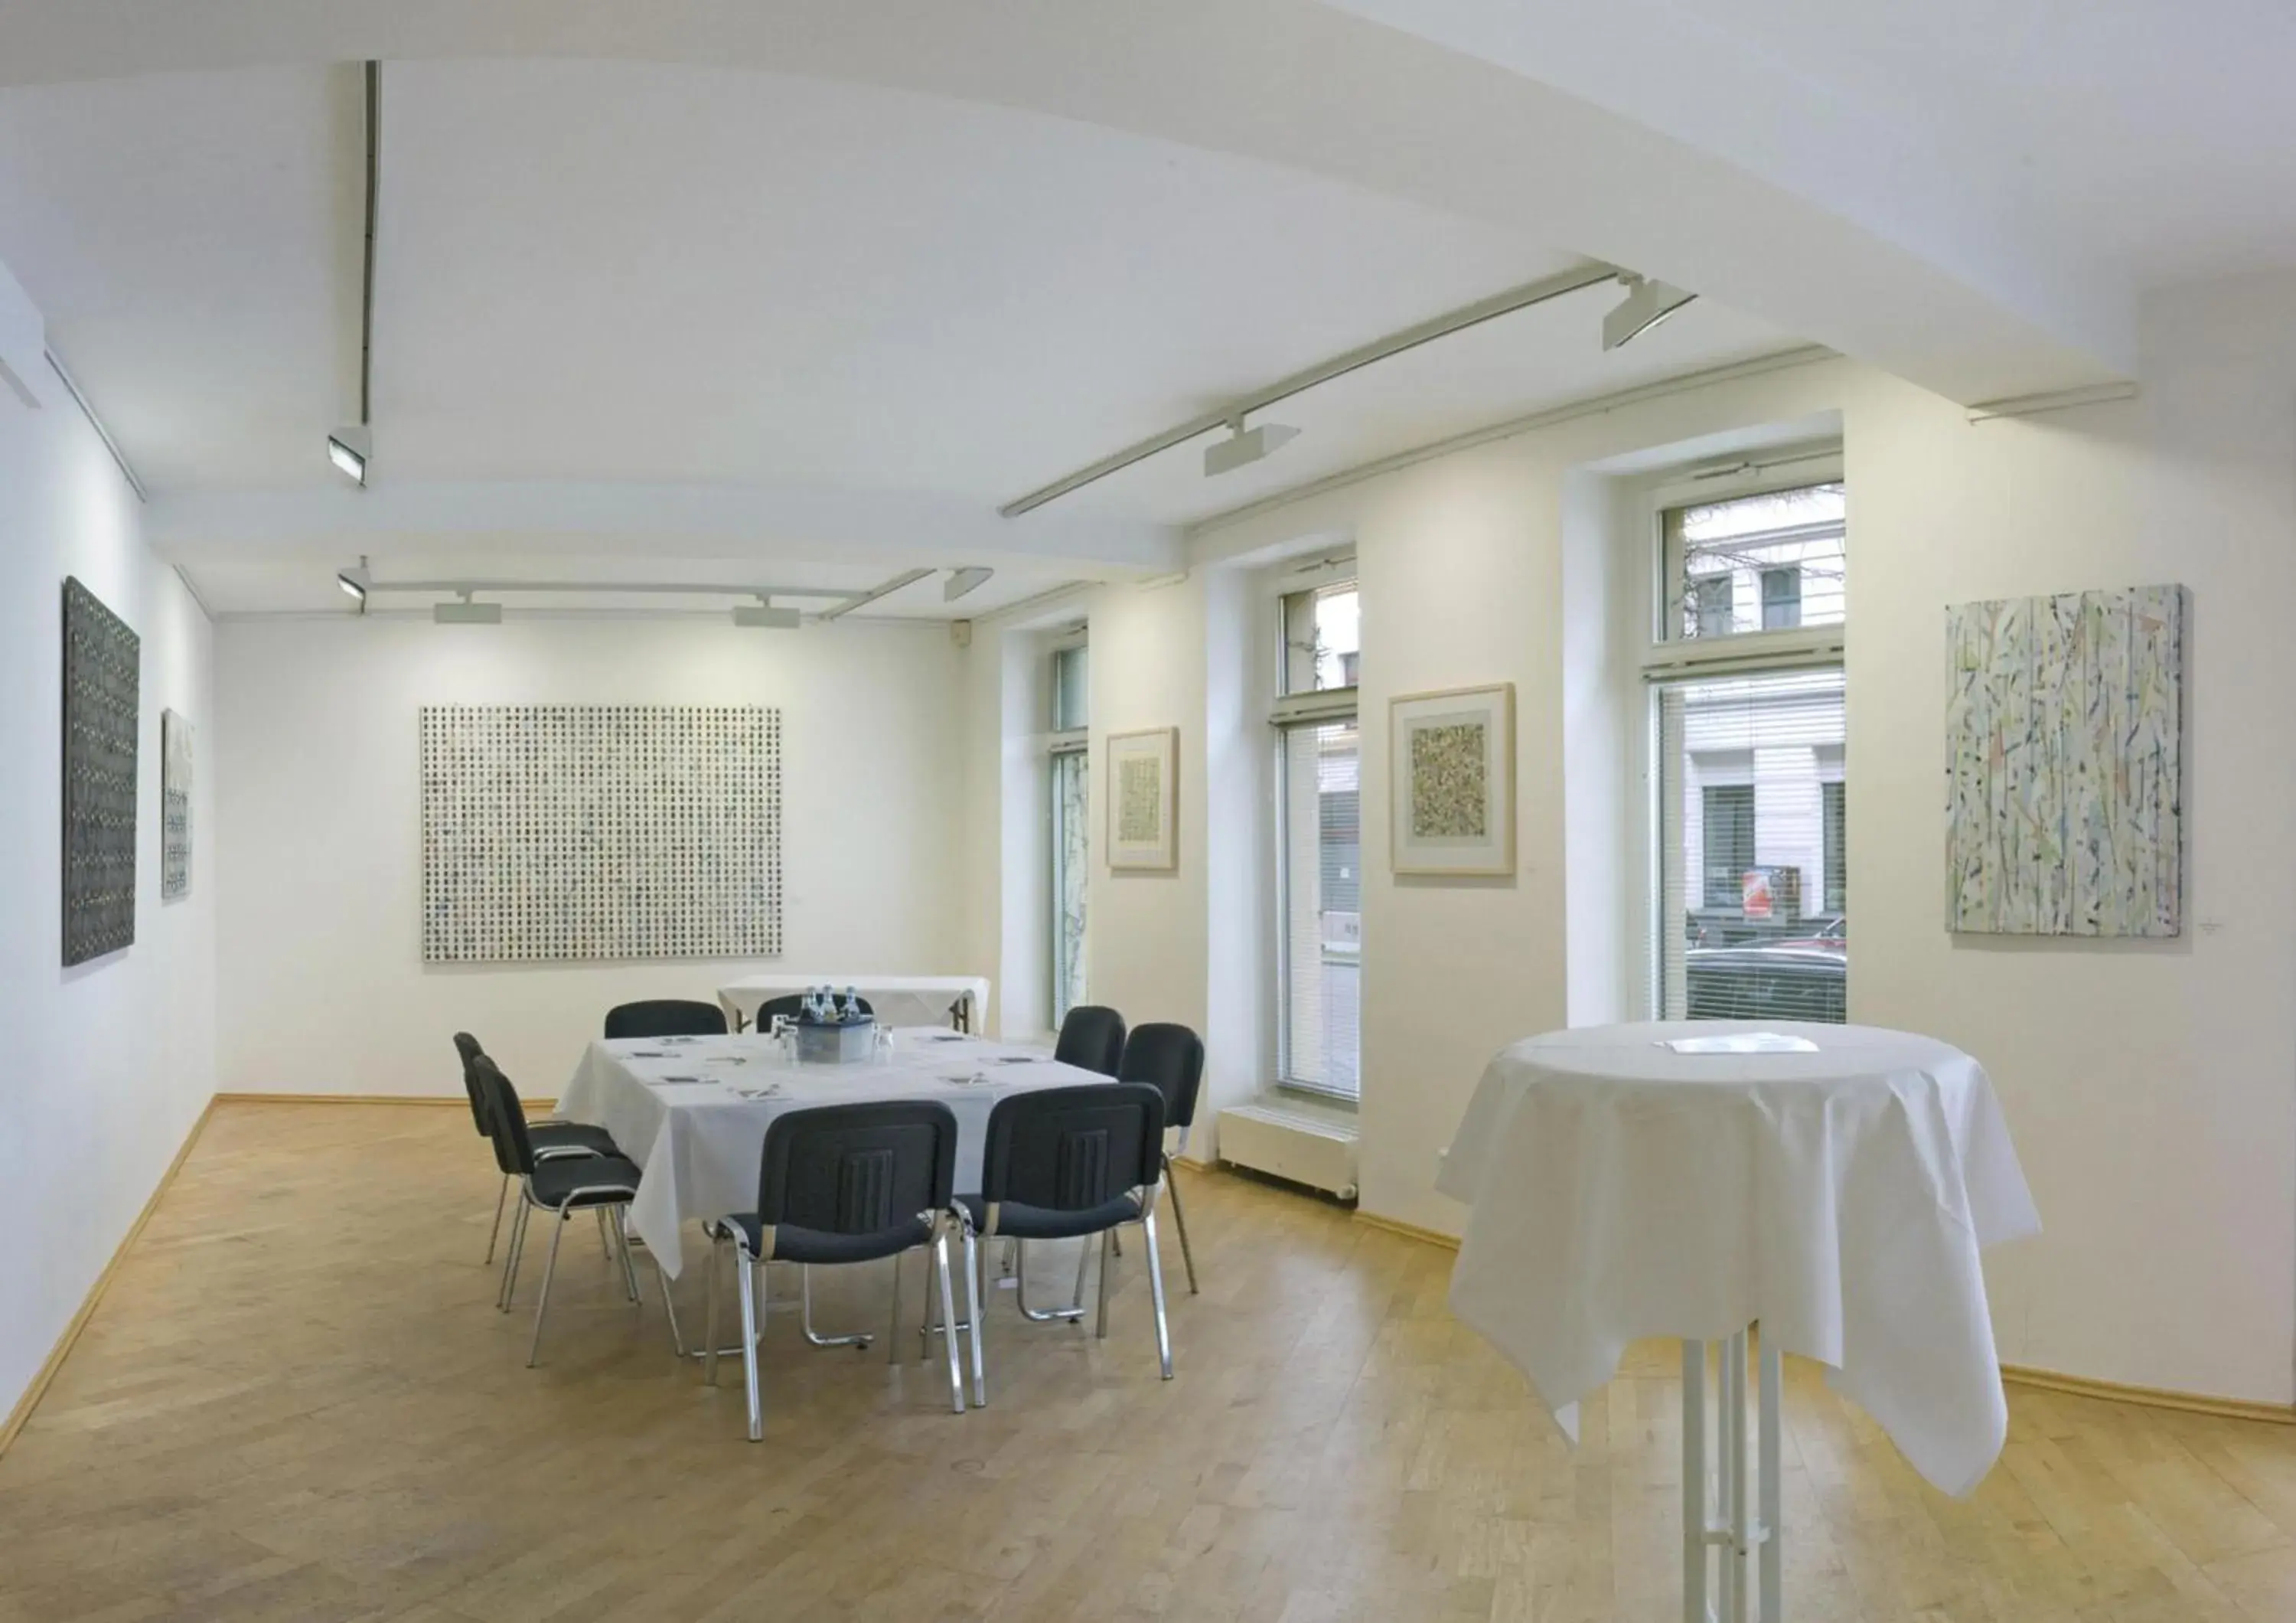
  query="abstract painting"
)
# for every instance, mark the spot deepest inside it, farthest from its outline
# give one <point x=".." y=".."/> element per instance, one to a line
<point x="1451" y="776"/>
<point x="1141" y="808"/>
<point x="101" y="678"/>
<point x="2064" y="763"/>
<point x="559" y="832"/>
<point x="175" y="806"/>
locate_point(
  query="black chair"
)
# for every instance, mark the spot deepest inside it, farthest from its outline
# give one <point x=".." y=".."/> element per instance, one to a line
<point x="665" y="1018"/>
<point x="845" y="1184"/>
<point x="1067" y="1164"/>
<point x="552" y="1139"/>
<point x="792" y="1006"/>
<point x="560" y="1187"/>
<point x="1091" y="1039"/>
<point x="1169" y="1059"/>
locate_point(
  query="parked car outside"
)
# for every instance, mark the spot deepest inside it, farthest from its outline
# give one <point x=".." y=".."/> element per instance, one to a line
<point x="1802" y="982"/>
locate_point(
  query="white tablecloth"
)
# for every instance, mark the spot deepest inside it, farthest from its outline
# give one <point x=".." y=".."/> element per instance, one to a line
<point x="898" y="999"/>
<point x="692" y="1111"/>
<point x="1619" y="1190"/>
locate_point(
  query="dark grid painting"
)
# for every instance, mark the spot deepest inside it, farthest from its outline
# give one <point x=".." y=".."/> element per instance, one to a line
<point x="559" y="832"/>
<point x="103" y="661"/>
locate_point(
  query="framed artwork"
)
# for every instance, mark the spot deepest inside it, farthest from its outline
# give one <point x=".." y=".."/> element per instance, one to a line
<point x="1451" y="781"/>
<point x="175" y="806"/>
<point x="2064" y="764"/>
<point x="102" y="675"/>
<point x="1142" y="808"/>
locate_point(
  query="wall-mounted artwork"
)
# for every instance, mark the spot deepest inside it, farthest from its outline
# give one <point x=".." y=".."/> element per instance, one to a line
<point x="175" y="806"/>
<point x="1451" y="781"/>
<point x="2064" y="760"/>
<point x="562" y="832"/>
<point x="102" y="674"/>
<point x="1142" y="808"/>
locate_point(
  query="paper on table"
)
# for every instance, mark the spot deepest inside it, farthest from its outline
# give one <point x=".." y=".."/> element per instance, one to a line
<point x="1742" y="1043"/>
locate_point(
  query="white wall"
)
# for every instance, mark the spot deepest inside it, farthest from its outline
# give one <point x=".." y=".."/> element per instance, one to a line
<point x="2152" y="1089"/>
<point x="324" y="988"/>
<point x="111" y="1062"/>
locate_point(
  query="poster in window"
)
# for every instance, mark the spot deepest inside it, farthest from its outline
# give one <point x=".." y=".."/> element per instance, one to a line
<point x="1142" y="808"/>
<point x="1451" y="778"/>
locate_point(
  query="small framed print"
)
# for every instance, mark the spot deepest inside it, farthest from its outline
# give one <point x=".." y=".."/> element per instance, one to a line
<point x="1451" y="778"/>
<point x="1142" y="808"/>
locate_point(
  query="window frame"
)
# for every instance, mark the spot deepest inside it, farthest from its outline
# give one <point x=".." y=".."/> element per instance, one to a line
<point x="1061" y="744"/>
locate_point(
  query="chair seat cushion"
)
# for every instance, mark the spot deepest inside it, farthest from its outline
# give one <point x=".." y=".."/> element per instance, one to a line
<point x="1018" y="1221"/>
<point x="558" y="1137"/>
<point x="608" y="1179"/>
<point x="792" y="1244"/>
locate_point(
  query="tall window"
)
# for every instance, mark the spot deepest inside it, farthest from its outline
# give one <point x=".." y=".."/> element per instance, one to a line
<point x="1319" y="839"/>
<point x="1071" y="790"/>
<point x="1751" y="917"/>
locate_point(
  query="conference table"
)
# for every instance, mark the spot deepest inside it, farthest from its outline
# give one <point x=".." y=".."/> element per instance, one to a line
<point x="1833" y="1183"/>
<point x="898" y="1000"/>
<point x="692" y="1111"/>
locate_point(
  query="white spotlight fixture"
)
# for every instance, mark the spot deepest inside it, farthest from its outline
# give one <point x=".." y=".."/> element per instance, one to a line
<point x="960" y="581"/>
<point x="349" y="449"/>
<point x="354" y="582"/>
<point x="1245" y="446"/>
<point x="466" y="612"/>
<point x="763" y="616"/>
<point x="1647" y="303"/>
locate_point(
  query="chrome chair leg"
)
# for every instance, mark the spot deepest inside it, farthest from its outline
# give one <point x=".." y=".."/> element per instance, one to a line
<point x="1156" y="1294"/>
<point x="1047" y="1316"/>
<point x="709" y="1325"/>
<point x="1180" y="1221"/>
<point x="749" y="1343"/>
<point x="494" y="1233"/>
<point x="542" y="1304"/>
<point x="805" y="1286"/>
<point x="670" y="1309"/>
<point x="973" y="1312"/>
<point x="949" y="1317"/>
<point x="1107" y="1250"/>
<point x="516" y="1254"/>
<point x="1085" y="1248"/>
<point x="893" y="1335"/>
<point x="606" y="1244"/>
<point x="621" y="1248"/>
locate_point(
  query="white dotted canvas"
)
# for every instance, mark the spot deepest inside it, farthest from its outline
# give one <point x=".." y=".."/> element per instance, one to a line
<point x="559" y="832"/>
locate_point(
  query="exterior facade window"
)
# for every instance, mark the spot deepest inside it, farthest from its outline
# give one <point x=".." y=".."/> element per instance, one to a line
<point x="1319" y="840"/>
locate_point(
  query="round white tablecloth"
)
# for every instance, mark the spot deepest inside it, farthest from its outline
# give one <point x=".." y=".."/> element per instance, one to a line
<point x="1621" y="1189"/>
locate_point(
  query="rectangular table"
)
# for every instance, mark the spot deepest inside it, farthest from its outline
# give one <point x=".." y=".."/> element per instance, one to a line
<point x="898" y="1000"/>
<point x="692" y="1111"/>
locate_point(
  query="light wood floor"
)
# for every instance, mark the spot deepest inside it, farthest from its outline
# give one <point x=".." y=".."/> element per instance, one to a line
<point x="297" y="1402"/>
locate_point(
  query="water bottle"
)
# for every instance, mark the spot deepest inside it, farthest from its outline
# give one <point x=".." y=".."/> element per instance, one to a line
<point x="852" y="1005"/>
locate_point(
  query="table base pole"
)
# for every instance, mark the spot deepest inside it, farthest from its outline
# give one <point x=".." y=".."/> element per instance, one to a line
<point x="1718" y="1514"/>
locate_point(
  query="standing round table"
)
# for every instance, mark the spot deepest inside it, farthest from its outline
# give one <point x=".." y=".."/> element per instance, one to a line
<point x="1837" y="1196"/>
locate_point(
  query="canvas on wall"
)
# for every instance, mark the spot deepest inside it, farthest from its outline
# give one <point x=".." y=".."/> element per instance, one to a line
<point x="562" y="832"/>
<point x="2064" y="761"/>
<point x="101" y="684"/>
<point x="1141" y="804"/>
<point x="175" y="806"/>
<point x="1451" y="780"/>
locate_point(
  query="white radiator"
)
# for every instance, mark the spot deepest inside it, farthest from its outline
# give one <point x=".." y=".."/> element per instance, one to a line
<point x="1295" y="1142"/>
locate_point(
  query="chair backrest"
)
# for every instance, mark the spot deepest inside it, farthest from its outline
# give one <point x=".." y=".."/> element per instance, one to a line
<point x="1092" y="1039"/>
<point x="857" y="1169"/>
<point x="665" y="1018"/>
<point x="1170" y="1058"/>
<point x="793" y="1005"/>
<point x="505" y="1116"/>
<point x="468" y="1047"/>
<point x="1069" y="1149"/>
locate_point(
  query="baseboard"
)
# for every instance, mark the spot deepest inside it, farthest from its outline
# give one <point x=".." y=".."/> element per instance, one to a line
<point x="2043" y="1381"/>
<point x="457" y="1100"/>
<point x="2150" y="1397"/>
<point x="22" y="1411"/>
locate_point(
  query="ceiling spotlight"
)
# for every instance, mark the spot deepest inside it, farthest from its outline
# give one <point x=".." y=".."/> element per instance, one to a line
<point x="763" y="616"/>
<point x="466" y="612"/>
<point x="1245" y="446"/>
<point x="1647" y="303"/>
<point x="350" y="449"/>
<point x="354" y="582"/>
<point x="960" y="581"/>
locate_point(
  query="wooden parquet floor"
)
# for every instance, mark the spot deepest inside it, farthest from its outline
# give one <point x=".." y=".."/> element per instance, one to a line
<point x="297" y="1402"/>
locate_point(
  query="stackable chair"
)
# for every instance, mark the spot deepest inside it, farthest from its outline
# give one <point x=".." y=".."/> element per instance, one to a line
<point x="1170" y="1058"/>
<point x="665" y="1018"/>
<point x="845" y="1184"/>
<point x="1092" y="1039"/>
<point x="1068" y="1164"/>
<point x="560" y="1187"/>
<point x="552" y="1140"/>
